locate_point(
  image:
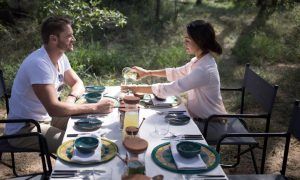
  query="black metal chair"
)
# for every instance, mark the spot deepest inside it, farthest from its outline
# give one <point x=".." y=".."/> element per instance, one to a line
<point x="264" y="94"/>
<point x="3" y="91"/>
<point x="5" y="147"/>
<point x="293" y="129"/>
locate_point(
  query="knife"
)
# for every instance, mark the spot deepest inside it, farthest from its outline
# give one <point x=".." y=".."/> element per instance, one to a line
<point x="210" y="176"/>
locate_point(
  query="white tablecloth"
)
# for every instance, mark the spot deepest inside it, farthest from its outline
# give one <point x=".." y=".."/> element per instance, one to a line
<point x="111" y="122"/>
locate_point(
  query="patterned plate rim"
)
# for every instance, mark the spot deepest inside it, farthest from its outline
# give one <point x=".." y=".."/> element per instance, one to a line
<point x="68" y="161"/>
<point x="157" y="162"/>
<point x="118" y="103"/>
<point x="179" y="101"/>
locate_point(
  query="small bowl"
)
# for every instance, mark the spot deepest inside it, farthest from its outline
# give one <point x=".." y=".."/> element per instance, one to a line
<point x="86" y="144"/>
<point x="132" y="130"/>
<point x="188" y="149"/>
<point x="139" y="95"/>
<point x="98" y="89"/>
<point x="93" y="97"/>
<point x="158" y="98"/>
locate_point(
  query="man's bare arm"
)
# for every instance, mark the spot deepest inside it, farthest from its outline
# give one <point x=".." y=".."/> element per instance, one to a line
<point x="46" y="93"/>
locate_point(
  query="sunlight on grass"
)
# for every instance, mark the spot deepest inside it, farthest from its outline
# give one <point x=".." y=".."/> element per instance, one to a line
<point x="220" y="4"/>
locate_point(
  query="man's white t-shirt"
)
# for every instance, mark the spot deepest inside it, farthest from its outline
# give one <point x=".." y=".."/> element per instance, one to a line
<point x="37" y="68"/>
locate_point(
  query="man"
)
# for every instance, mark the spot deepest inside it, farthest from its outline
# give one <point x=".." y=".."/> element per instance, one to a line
<point x="37" y="86"/>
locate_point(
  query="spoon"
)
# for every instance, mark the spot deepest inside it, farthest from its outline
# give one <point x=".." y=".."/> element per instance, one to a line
<point x="141" y="123"/>
<point x="122" y="159"/>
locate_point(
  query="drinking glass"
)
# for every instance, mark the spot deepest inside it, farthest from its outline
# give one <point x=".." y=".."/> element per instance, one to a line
<point x="161" y="127"/>
<point x="127" y="74"/>
<point x="103" y="173"/>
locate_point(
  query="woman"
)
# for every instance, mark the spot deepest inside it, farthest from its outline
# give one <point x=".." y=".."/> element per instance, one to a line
<point x="199" y="77"/>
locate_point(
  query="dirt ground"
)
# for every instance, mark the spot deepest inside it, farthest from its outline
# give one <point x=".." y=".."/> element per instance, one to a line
<point x="30" y="162"/>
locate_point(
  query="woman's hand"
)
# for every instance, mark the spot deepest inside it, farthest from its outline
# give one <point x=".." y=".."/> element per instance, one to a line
<point x="141" y="72"/>
<point x="105" y="105"/>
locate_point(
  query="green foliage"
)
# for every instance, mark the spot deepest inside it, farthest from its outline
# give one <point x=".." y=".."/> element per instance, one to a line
<point x="85" y="14"/>
<point x="259" y="48"/>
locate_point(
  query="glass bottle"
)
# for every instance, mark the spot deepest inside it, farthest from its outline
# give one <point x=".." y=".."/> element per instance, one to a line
<point x="131" y="116"/>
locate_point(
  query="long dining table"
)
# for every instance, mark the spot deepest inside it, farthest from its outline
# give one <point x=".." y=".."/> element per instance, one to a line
<point x="111" y="130"/>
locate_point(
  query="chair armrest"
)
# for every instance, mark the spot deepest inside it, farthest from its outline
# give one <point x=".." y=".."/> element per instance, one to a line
<point x="23" y="121"/>
<point x="231" y="89"/>
<point x="42" y="139"/>
<point x="282" y="134"/>
<point x="210" y="118"/>
<point x="21" y="135"/>
<point x="238" y="116"/>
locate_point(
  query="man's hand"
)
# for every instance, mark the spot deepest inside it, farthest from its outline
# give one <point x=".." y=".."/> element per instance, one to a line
<point x="105" y="105"/>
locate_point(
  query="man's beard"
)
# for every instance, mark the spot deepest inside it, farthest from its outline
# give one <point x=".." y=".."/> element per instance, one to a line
<point x="64" y="47"/>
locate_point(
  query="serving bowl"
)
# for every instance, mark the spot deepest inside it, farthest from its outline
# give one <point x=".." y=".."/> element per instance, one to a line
<point x="86" y="144"/>
<point x="99" y="89"/>
<point x="188" y="149"/>
<point x="93" y="97"/>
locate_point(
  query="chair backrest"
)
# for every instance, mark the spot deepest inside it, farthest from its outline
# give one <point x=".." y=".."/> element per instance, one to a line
<point x="263" y="92"/>
<point x="294" y="127"/>
<point x="3" y="91"/>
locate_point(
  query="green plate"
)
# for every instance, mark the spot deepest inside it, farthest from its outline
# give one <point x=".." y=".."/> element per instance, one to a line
<point x="147" y="102"/>
<point x="178" y="122"/>
<point x="177" y="119"/>
<point x="108" y="151"/>
<point x="82" y="100"/>
<point x="88" y="124"/>
<point x="162" y="156"/>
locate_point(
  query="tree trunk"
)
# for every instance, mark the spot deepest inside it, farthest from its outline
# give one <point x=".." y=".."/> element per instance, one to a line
<point x="198" y="2"/>
<point x="157" y="11"/>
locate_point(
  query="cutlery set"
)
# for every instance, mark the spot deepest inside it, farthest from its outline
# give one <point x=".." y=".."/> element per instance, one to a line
<point x="75" y="173"/>
<point x="184" y="137"/>
<point x="80" y="134"/>
<point x="204" y="177"/>
<point x="170" y="112"/>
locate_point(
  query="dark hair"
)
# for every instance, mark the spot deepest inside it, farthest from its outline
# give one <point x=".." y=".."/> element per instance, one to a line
<point x="204" y="36"/>
<point x="53" y="26"/>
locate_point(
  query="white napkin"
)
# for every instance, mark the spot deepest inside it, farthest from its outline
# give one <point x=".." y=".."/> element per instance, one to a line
<point x="186" y="163"/>
<point x="166" y="103"/>
<point x="92" y="157"/>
